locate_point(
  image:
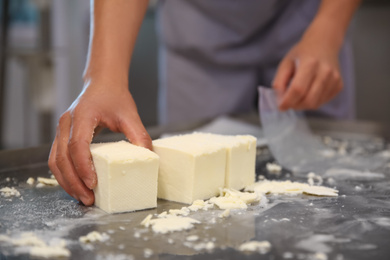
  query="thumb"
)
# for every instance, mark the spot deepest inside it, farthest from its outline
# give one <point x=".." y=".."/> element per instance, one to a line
<point x="135" y="131"/>
<point x="283" y="76"/>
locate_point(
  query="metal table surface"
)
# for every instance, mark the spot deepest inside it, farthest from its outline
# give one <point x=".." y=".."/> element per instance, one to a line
<point x="355" y="225"/>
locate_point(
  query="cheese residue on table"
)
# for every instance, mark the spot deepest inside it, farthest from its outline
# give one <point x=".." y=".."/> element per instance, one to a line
<point x="171" y="223"/>
<point x="261" y="247"/>
<point x="7" y="192"/>
<point x="38" y="247"/>
<point x="42" y="182"/>
<point x="30" y="181"/>
<point x="234" y="199"/>
<point x="94" y="236"/>
<point x="273" y="168"/>
<point x="291" y="188"/>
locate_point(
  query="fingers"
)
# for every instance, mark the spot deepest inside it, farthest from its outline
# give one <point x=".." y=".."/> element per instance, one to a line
<point x="315" y="94"/>
<point x="337" y="86"/>
<point x="71" y="182"/>
<point x="80" y="138"/>
<point x="300" y="84"/>
<point x="325" y="86"/>
<point x="135" y="132"/>
<point x="54" y="169"/>
<point x="283" y="76"/>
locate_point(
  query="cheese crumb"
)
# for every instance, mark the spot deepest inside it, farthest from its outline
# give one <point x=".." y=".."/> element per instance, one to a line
<point x="93" y="237"/>
<point x="225" y="213"/>
<point x="261" y="247"/>
<point x="273" y="168"/>
<point x="148" y="252"/>
<point x="30" y="181"/>
<point x="290" y="188"/>
<point x="146" y="221"/>
<point x="233" y="199"/>
<point x="183" y="211"/>
<point x="47" y="181"/>
<point x="320" y="256"/>
<point x="49" y="252"/>
<point x="7" y="192"/>
<point x="196" y="205"/>
<point x="171" y="223"/>
<point x="38" y="247"/>
<point x="314" y="179"/>
<point x="192" y="238"/>
<point x="205" y="246"/>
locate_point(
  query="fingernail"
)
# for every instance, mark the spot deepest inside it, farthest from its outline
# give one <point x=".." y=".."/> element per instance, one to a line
<point x="91" y="183"/>
<point x="86" y="200"/>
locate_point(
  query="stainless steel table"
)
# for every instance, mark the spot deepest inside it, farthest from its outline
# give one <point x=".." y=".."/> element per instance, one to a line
<point x="355" y="225"/>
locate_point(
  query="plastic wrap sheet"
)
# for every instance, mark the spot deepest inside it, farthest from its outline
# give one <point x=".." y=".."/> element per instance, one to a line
<point x="296" y="148"/>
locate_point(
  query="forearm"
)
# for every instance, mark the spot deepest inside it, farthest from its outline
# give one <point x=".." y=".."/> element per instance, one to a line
<point x="113" y="33"/>
<point x="332" y="21"/>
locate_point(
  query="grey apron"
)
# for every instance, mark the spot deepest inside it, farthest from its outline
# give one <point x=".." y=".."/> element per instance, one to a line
<point x="214" y="53"/>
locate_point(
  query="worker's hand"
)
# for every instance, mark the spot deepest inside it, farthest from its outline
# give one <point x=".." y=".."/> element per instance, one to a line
<point x="308" y="76"/>
<point x="98" y="105"/>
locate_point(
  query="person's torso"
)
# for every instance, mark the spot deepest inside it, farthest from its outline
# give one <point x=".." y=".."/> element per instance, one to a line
<point x="246" y="32"/>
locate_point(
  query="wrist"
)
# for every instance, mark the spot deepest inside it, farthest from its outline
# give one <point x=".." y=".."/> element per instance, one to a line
<point x="327" y="34"/>
<point x="106" y="77"/>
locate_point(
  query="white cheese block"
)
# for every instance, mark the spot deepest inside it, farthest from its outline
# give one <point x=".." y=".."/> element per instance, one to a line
<point x="190" y="168"/>
<point x="240" y="158"/>
<point x="127" y="177"/>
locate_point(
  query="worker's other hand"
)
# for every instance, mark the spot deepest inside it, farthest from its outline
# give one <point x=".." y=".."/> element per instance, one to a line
<point x="98" y="105"/>
<point x="308" y="76"/>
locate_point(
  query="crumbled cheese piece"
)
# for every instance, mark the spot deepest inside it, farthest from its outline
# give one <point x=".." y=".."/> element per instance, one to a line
<point x="28" y="239"/>
<point x="148" y="252"/>
<point x="40" y="185"/>
<point x="192" y="238"/>
<point x="169" y="224"/>
<point x="229" y="203"/>
<point x="273" y="168"/>
<point x="38" y="247"/>
<point x="9" y="192"/>
<point x="320" y="256"/>
<point x="233" y="199"/>
<point x="183" y="211"/>
<point x="314" y="179"/>
<point x="30" y="181"/>
<point x="93" y="237"/>
<point x="204" y="246"/>
<point x="246" y="197"/>
<point x="47" y="181"/>
<point x="225" y="213"/>
<point x="290" y="188"/>
<point x="162" y="214"/>
<point x="146" y="221"/>
<point x="196" y="205"/>
<point x="261" y="247"/>
<point x="49" y="252"/>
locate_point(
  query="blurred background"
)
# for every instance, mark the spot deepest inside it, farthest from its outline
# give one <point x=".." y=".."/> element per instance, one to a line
<point x="44" y="46"/>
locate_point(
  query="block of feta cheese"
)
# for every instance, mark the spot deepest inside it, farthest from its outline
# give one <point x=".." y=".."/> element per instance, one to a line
<point x="127" y="177"/>
<point x="240" y="158"/>
<point x="190" y="168"/>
